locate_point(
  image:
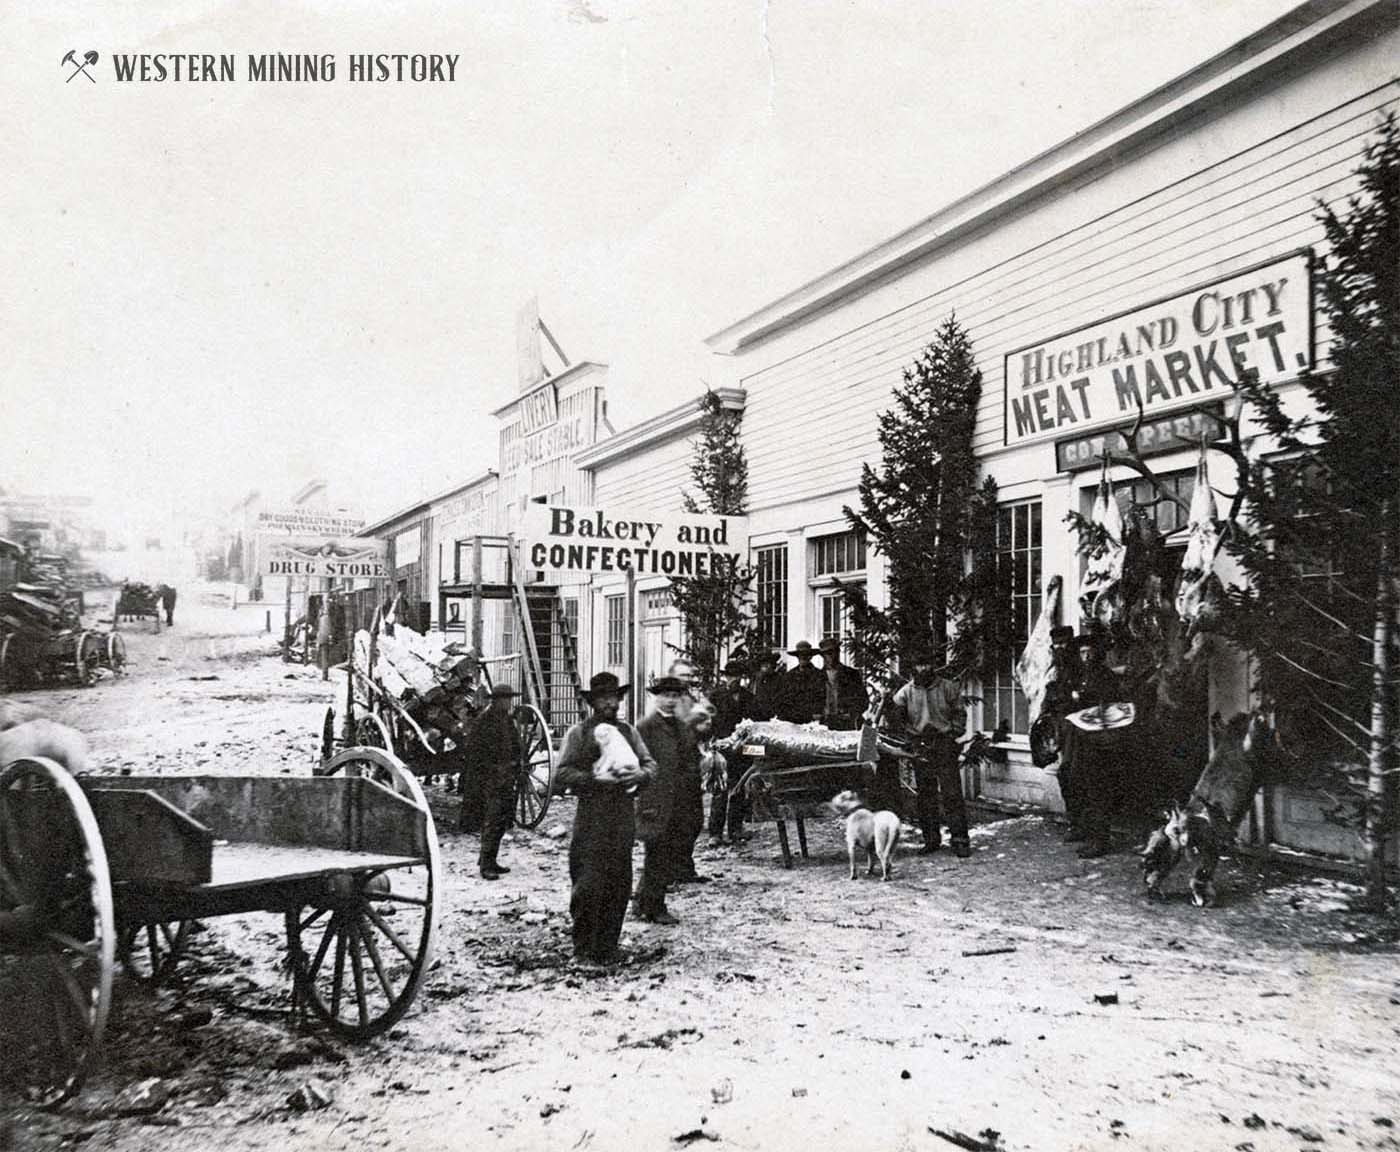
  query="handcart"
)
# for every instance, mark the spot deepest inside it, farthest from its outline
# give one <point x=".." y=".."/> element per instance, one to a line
<point x="104" y="869"/>
<point x="374" y="717"/>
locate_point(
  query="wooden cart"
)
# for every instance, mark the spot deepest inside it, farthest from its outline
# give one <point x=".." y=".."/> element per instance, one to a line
<point x="114" y="868"/>
<point x="73" y="655"/>
<point x="374" y="718"/>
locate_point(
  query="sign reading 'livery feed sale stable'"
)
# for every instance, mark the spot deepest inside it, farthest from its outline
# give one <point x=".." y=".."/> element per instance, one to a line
<point x="1180" y="351"/>
<point x="556" y="538"/>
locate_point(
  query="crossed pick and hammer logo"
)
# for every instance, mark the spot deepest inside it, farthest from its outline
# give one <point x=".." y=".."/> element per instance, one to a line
<point x="89" y="57"/>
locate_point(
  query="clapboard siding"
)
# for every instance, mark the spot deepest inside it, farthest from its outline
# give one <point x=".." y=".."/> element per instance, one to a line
<point x="653" y="479"/>
<point x="811" y="416"/>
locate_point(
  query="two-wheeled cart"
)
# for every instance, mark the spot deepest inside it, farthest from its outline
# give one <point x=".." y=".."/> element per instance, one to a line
<point x="376" y="717"/>
<point x="115" y="868"/>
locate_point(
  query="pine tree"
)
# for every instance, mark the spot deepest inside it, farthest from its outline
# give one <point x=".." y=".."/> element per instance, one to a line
<point x="924" y="511"/>
<point x="1322" y="546"/>
<point x="714" y="608"/>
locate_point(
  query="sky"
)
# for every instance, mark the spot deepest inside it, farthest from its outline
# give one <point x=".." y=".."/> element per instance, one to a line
<point x="211" y="288"/>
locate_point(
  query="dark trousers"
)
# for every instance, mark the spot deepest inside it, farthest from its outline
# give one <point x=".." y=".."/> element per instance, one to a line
<point x="499" y="796"/>
<point x="687" y="822"/>
<point x="472" y="815"/>
<point x="600" y="869"/>
<point x="940" y="789"/>
<point x="727" y="814"/>
<point x="659" y="867"/>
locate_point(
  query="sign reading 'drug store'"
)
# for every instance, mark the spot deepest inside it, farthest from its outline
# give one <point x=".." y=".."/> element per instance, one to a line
<point x="1176" y="352"/>
<point x="358" y="557"/>
<point x="556" y="538"/>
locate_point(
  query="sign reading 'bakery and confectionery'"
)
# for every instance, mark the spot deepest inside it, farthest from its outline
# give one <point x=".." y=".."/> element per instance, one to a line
<point x="1172" y="354"/>
<point x="562" y="539"/>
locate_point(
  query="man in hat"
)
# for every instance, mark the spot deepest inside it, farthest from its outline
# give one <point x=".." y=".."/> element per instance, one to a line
<point x="665" y="807"/>
<point x="846" y="700"/>
<point x="935" y="718"/>
<point x="732" y="703"/>
<point x="600" y="854"/>
<point x="493" y="749"/>
<point x="1093" y="756"/>
<point x="804" y="688"/>
<point x="768" y="684"/>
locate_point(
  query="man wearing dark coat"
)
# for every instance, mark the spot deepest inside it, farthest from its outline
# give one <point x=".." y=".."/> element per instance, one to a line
<point x="845" y="699"/>
<point x="600" y="854"/>
<point x="768" y="680"/>
<point x="732" y="703"/>
<point x="1056" y="705"/>
<point x="804" y="688"/>
<point x="1093" y="756"/>
<point x="167" y="601"/>
<point x="492" y="750"/>
<point x="665" y="806"/>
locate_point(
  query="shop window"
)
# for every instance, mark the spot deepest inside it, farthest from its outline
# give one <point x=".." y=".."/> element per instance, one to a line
<point x="1019" y="563"/>
<point x="615" y="620"/>
<point x="839" y="554"/>
<point x="832" y="616"/>
<point x="1299" y="474"/>
<point x="571" y="617"/>
<point x="771" y="585"/>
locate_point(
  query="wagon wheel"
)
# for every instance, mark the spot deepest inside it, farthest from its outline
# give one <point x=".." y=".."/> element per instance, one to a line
<point x="150" y="951"/>
<point x="57" y="931"/>
<point x="372" y="732"/>
<point x="116" y="654"/>
<point x="359" y="953"/>
<point x="11" y="657"/>
<point x="534" y="775"/>
<point x="87" y="653"/>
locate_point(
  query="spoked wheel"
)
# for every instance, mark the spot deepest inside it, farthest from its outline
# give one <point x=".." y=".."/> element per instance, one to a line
<point x="116" y="654"/>
<point x="57" y="933"/>
<point x="11" y="656"/>
<point x="534" y="776"/>
<point x="149" y="952"/>
<point x="372" y="732"/>
<point x="359" y="954"/>
<point x="87" y="654"/>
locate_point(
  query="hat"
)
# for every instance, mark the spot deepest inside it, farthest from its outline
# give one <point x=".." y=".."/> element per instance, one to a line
<point x="830" y="644"/>
<point x="768" y="656"/>
<point x="668" y="684"/>
<point x="801" y="648"/>
<point x="1092" y="634"/>
<point x="604" y="682"/>
<point x="736" y="668"/>
<point x="1061" y="634"/>
<point x="503" y="690"/>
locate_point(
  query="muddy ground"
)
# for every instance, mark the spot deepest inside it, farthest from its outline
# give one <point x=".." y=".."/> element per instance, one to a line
<point x="1022" y="999"/>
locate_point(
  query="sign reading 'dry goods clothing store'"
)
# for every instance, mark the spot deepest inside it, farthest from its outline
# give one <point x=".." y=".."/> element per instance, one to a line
<point x="556" y="538"/>
<point x="309" y="522"/>
<point x="357" y="557"/>
<point x="1170" y="354"/>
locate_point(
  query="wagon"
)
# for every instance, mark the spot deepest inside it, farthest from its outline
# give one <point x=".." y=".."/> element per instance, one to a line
<point x="29" y="657"/>
<point x="105" y="870"/>
<point x="373" y="717"/>
<point x="137" y="602"/>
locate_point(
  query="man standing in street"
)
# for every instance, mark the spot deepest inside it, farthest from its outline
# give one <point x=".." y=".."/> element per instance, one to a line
<point x="1058" y="702"/>
<point x="804" y="688"/>
<point x="492" y="749"/>
<point x="733" y="703"/>
<point x="167" y="601"/>
<point x="935" y="718"/>
<point x="1094" y="754"/>
<point x="600" y="854"/>
<point x="768" y="684"/>
<point x="664" y="806"/>
<point x="846" y="699"/>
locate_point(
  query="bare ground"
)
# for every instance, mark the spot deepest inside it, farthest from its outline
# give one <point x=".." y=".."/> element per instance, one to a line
<point x="790" y="1009"/>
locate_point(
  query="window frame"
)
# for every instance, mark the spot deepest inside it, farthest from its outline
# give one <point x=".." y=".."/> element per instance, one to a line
<point x="1002" y="698"/>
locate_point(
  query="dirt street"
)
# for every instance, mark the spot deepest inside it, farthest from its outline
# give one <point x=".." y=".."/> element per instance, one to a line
<point x="1022" y="999"/>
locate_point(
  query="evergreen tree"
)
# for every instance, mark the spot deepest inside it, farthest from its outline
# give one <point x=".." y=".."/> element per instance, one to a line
<point x="714" y="607"/>
<point x="1322" y="546"/>
<point x="924" y="511"/>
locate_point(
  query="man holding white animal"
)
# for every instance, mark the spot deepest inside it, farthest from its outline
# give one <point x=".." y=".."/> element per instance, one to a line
<point x="935" y="719"/>
<point x="604" y="762"/>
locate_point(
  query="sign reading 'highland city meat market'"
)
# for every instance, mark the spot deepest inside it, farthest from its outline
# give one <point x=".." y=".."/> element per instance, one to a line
<point x="565" y="539"/>
<point x="1180" y="351"/>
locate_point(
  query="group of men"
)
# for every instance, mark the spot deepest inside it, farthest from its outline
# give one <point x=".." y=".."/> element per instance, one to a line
<point x="660" y="801"/>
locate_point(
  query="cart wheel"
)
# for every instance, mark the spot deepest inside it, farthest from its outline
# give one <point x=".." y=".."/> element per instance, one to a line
<point x="360" y="954"/>
<point x="150" y="951"/>
<point x="87" y="649"/>
<point x="116" y="654"/>
<point x="328" y="737"/>
<point x="372" y="732"/>
<point x="534" y="777"/>
<point x="9" y="663"/>
<point x="57" y="932"/>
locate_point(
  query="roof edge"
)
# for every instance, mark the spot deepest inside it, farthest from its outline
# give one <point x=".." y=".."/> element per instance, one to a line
<point x="667" y="425"/>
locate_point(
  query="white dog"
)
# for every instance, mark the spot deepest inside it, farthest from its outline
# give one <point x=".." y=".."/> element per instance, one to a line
<point x="876" y="832"/>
